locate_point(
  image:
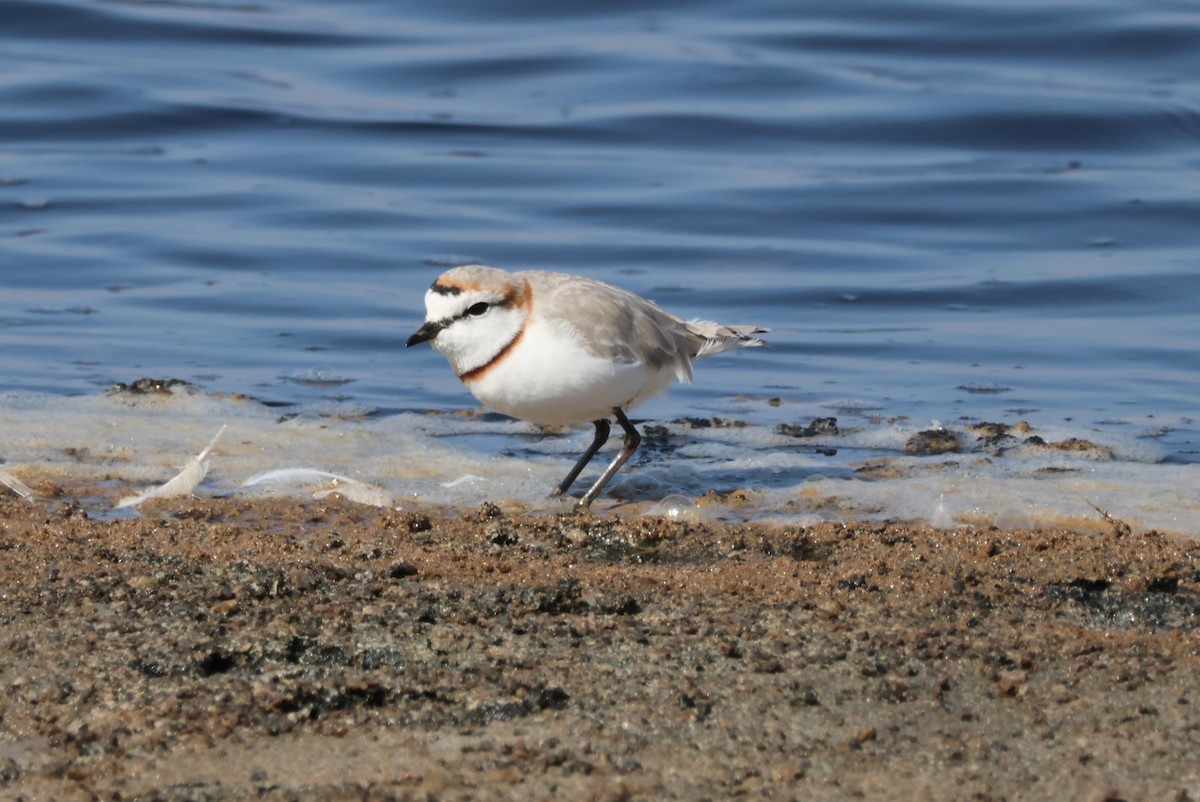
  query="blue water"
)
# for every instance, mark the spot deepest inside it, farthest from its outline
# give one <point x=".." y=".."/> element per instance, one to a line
<point x="985" y="210"/>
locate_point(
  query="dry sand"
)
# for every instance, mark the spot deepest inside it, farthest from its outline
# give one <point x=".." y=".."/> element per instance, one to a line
<point x="218" y="650"/>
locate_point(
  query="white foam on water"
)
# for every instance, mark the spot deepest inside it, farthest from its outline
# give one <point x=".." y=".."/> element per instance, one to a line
<point x="122" y="445"/>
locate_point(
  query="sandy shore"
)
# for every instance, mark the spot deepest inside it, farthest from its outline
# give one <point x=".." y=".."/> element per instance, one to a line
<point x="217" y="650"/>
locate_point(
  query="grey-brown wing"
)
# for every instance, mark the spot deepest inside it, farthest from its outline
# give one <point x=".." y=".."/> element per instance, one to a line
<point x="615" y="323"/>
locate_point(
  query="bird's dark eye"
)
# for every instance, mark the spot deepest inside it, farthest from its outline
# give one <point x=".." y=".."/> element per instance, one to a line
<point x="475" y="310"/>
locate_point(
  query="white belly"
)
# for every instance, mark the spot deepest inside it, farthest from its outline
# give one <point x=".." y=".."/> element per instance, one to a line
<point x="551" y="379"/>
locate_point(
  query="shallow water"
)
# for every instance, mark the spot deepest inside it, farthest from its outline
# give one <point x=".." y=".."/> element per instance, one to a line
<point x="945" y="213"/>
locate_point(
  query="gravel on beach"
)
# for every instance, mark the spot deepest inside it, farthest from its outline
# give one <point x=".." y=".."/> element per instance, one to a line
<point x="281" y="650"/>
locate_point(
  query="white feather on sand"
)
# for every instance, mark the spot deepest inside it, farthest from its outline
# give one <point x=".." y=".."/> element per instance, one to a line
<point x="16" y="485"/>
<point x="326" y="484"/>
<point x="182" y="484"/>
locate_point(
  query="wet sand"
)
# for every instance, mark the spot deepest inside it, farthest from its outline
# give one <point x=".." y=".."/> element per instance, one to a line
<point x="279" y="650"/>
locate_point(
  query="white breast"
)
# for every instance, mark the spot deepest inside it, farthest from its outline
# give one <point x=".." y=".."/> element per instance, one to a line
<point x="551" y="379"/>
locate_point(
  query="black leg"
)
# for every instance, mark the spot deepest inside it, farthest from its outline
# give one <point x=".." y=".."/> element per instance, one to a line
<point x="632" y="441"/>
<point x="601" y="438"/>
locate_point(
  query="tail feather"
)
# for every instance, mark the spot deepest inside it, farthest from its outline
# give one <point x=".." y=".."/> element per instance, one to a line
<point x="718" y="338"/>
